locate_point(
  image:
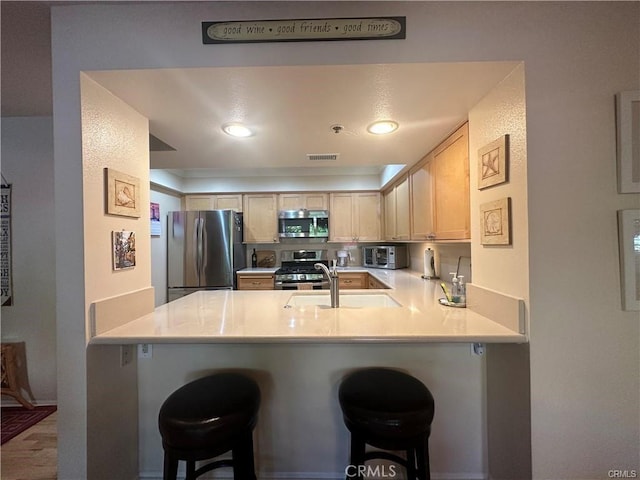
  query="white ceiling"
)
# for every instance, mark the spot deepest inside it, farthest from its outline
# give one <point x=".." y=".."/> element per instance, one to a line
<point x="292" y="109"/>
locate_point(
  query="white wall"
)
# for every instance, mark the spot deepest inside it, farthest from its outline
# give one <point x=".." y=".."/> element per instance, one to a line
<point x="585" y="379"/>
<point x="27" y="164"/>
<point x="168" y="203"/>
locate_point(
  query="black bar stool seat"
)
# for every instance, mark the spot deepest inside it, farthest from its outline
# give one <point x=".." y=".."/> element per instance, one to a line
<point x="207" y="418"/>
<point x="389" y="410"/>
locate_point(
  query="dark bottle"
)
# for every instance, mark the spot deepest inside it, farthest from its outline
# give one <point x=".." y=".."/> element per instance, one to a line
<point x="254" y="259"/>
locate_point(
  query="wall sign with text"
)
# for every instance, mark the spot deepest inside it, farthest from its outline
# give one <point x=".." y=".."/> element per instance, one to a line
<point x="304" y="30"/>
<point x="6" y="274"/>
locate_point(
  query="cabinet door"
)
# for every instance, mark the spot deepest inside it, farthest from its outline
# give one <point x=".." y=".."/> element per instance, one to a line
<point x="310" y="201"/>
<point x="397" y="211"/>
<point x="316" y="201"/>
<point x="341" y="217"/>
<point x="451" y="187"/>
<point x="290" y="201"/>
<point x="402" y="210"/>
<point x="199" y="202"/>
<point x="352" y="280"/>
<point x="367" y="216"/>
<point x="255" y="282"/>
<point x="228" y="202"/>
<point x="260" y="218"/>
<point x="422" y="227"/>
<point x="389" y="200"/>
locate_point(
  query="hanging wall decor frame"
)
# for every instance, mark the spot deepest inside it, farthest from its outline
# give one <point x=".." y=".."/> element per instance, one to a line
<point x="123" y="194"/>
<point x="6" y="267"/>
<point x="495" y="222"/>
<point x="629" y="247"/>
<point x="493" y="163"/>
<point x="628" y="141"/>
<point x="123" y="249"/>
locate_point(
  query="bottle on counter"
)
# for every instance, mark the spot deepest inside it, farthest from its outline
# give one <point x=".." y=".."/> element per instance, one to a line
<point x="462" y="290"/>
<point x="254" y="259"/>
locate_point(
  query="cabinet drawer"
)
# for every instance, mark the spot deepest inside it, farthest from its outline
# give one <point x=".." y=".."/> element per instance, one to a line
<point x="375" y="283"/>
<point x="255" y="282"/>
<point x="353" y="280"/>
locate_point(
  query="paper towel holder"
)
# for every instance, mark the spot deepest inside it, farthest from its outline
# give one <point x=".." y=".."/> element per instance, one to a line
<point x="429" y="265"/>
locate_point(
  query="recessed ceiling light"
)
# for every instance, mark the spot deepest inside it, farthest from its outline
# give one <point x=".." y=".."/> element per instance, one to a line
<point x="382" y="127"/>
<point x="236" y="130"/>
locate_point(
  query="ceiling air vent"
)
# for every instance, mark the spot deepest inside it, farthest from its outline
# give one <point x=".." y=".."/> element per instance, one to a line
<point x="322" y="156"/>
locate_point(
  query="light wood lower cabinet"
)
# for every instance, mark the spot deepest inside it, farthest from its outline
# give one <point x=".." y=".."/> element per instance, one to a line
<point x="353" y="280"/>
<point x="255" y="282"/>
<point x="375" y="283"/>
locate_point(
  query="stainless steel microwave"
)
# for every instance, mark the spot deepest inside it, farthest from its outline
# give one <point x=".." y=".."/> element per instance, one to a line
<point x="386" y="256"/>
<point x="303" y="223"/>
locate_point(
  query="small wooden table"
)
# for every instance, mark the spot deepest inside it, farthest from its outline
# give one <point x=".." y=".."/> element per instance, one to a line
<point x="10" y="384"/>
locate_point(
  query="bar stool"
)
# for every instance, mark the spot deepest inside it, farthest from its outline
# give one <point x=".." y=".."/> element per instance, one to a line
<point x="207" y="418"/>
<point x="389" y="410"/>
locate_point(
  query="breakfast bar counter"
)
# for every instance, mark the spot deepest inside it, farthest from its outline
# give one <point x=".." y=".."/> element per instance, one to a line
<point x="409" y="311"/>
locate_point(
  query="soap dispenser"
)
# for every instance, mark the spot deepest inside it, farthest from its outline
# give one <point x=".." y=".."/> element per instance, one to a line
<point x="455" y="288"/>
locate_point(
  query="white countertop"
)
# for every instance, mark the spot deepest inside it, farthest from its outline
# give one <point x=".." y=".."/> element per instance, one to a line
<point x="232" y="316"/>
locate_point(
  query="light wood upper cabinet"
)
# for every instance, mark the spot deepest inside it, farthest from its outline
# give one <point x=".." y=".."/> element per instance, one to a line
<point x="451" y="187"/>
<point x="213" y="202"/>
<point x="260" y="218"/>
<point x="421" y="180"/>
<point x="310" y="201"/>
<point x="397" y="211"/>
<point x="354" y="216"/>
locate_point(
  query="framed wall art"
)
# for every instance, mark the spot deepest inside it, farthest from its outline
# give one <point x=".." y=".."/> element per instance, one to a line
<point x="629" y="245"/>
<point x="628" y="141"/>
<point x="124" y="249"/>
<point x="495" y="222"/>
<point x="493" y="163"/>
<point x="156" y="226"/>
<point x="123" y="194"/>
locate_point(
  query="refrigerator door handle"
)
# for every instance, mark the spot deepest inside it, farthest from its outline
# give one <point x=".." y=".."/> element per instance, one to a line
<point x="200" y="249"/>
<point x="196" y="243"/>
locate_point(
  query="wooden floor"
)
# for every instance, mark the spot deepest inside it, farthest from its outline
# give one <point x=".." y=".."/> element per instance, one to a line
<point x="32" y="455"/>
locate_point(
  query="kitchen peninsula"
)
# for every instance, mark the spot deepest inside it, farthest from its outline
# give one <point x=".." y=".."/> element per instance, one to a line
<point x="228" y="316"/>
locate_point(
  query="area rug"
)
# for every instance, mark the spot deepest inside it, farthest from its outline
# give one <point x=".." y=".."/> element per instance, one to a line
<point x="16" y="420"/>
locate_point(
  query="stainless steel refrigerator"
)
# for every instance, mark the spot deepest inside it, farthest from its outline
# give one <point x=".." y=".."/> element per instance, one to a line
<point x="204" y="251"/>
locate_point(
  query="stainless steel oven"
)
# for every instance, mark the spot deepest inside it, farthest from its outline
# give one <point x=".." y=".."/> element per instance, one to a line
<point x="297" y="270"/>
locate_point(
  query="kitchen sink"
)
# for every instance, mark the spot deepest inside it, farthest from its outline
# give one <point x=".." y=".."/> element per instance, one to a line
<point x="349" y="300"/>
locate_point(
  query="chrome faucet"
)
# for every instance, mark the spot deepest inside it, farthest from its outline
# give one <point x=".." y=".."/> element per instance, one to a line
<point x="334" y="283"/>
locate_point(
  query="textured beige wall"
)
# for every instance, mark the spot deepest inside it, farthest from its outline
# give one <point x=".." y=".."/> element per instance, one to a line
<point x="113" y="136"/>
<point x="502" y="111"/>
